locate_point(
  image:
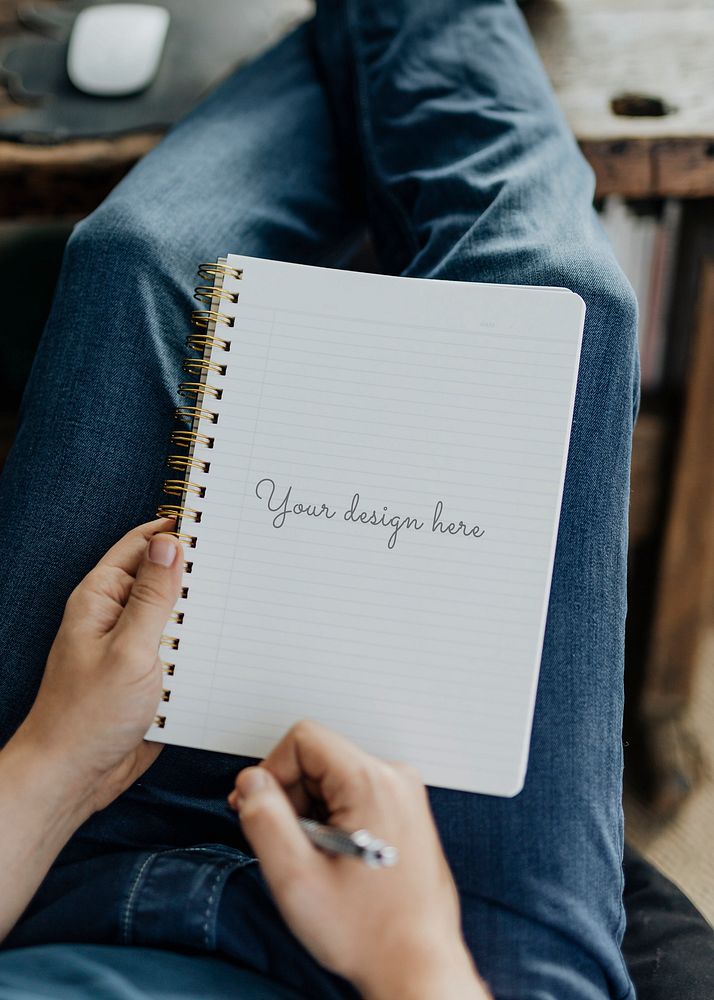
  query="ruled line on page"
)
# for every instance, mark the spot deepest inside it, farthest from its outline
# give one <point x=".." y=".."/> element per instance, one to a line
<point x="339" y="385"/>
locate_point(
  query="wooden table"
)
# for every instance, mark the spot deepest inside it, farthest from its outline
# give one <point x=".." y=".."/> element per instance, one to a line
<point x="605" y="58"/>
<point x="599" y="51"/>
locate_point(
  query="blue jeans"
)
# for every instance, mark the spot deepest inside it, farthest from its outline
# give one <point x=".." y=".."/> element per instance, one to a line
<point x="432" y="122"/>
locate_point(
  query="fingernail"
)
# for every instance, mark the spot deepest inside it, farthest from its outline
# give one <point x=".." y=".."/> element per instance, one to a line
<point x="252" y="780"/>
<point x="162" y="550"/>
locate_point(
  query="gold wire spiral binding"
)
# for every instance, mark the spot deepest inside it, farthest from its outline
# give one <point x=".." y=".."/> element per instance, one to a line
<point x="182" y="463"/>
<point x="197" y="366"/>
<point x="189" y="540"/>
<point x="177" y="488"/>
<point x="189" y="438"/>
<point x="204" y="343"/>
<point x="207" y="317"/>
<point x="211" y="294"/>
<point x="199" y="389"/>
<point x="191" y="412"/>
<point x="199" y="341"/>
<point x="219" y="269"/>
<point x="176" y="510"/>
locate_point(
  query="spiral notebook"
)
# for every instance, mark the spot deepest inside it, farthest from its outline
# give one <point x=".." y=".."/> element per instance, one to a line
<point x="368" y="473"/>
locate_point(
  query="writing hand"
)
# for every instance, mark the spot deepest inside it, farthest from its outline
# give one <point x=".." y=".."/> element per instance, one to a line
<point x="392" y="932"/>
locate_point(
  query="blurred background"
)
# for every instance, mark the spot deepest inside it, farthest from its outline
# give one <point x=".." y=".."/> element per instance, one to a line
<point x="635" y="79"/>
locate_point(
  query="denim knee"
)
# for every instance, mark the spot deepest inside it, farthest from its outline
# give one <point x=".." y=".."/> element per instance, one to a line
<point x="610" y="357"/>
<point x="118" y="241"/>
<point x="128" y="265"/>
<point x="610" y="342"/>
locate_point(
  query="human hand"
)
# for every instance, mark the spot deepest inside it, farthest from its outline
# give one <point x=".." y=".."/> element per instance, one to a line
<point x="394" y="932"/>
<point x="103" y="678"/>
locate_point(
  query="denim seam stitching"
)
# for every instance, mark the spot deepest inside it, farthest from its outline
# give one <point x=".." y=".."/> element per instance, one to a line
<point x="209" y="926"/>
<point x="139" y="878"/>
<point x="127" y="918"/>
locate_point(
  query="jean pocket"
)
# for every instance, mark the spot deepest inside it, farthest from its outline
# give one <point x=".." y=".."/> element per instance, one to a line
<point x="173" y="898"/>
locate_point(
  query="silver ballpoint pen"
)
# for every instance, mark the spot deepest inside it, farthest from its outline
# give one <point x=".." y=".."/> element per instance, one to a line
<point x="360" y="844"/>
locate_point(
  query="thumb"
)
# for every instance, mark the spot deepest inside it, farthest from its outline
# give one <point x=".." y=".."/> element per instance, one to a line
<point x="270" y="824"/>
<point x="155" y="589"/>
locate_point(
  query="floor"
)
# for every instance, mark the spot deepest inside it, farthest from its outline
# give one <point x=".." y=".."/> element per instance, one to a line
<point x="684" y="848"/>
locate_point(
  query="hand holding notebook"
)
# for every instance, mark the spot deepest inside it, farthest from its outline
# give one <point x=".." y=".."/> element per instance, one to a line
<point x="369" y="488"/>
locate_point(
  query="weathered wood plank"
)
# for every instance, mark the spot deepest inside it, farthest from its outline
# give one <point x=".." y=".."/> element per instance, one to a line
<point x="684" y="168"/>
<point x="71" y="179"/>
<point x="595" y="52"/>
<point x="688" y="551"/>
<point x="621" y="167"/>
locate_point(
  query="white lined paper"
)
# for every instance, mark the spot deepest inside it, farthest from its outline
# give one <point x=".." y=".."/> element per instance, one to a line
<point x="407" y="391"/>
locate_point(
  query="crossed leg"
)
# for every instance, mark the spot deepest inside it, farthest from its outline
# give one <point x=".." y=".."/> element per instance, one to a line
<point x="253" y="170"/>
<point x="472" y="174"/>
<point x="445" y="119"/>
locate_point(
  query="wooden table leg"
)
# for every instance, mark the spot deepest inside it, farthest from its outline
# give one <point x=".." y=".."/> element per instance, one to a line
<point x="684" y="591"/>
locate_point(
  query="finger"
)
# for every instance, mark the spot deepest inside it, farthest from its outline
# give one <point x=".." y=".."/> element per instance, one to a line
<point x="311" y="754"/>
<point x="154" y="591"/>
<point x="99" y="598"/>
<point x="96" y="603"/>
<point x="128" y="552"/>
<point x="302" y="796"/>
<point x="270" y="824"/>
